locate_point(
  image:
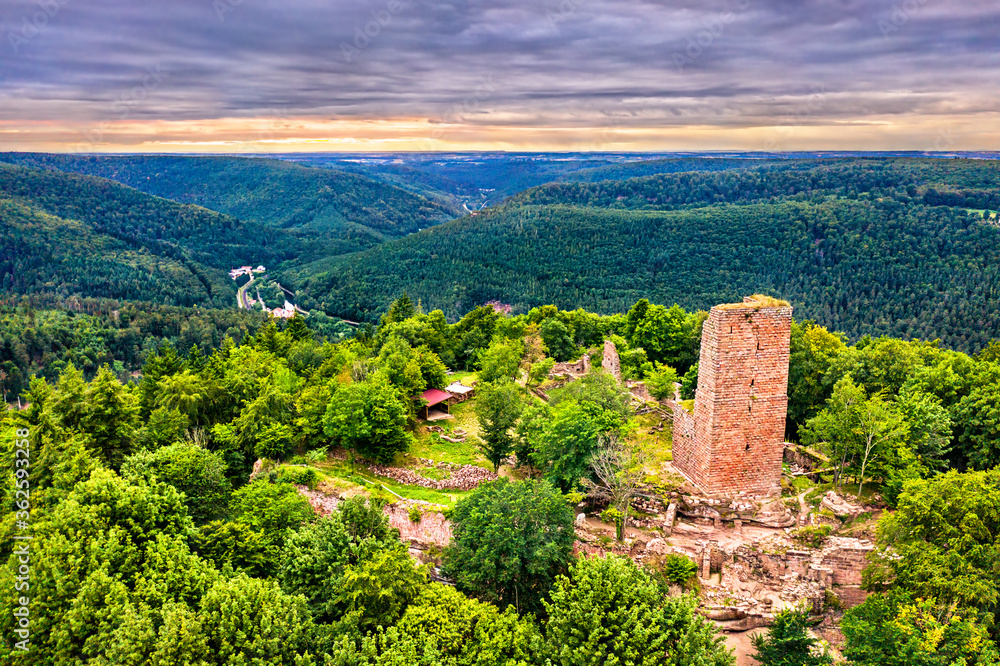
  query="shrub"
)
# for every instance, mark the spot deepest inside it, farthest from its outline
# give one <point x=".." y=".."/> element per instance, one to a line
<point x="812" y="535"/>
<point x="299" y="476"/>
<point x="511" y="541"/>
<point x="679" y="569"/>
<point x="415" y="514"/>
<point x="616" y="517"/>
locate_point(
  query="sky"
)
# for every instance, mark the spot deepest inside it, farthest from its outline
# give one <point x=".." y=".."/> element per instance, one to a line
<point x="259" y="76"/>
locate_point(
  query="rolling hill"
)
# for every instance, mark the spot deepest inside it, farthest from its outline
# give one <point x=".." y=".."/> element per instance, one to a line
<point x="68" y="234"/>
<point x="863" y="246"/>
<point x="332" y="211"/>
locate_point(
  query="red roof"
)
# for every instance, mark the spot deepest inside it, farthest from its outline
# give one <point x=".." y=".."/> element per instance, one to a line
<point x="435" y="397"/>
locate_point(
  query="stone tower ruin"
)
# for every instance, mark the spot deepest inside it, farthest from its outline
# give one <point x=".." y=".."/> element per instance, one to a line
<point x="734" y="440"/>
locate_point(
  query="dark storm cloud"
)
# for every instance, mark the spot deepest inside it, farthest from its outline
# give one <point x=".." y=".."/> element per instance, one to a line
<point x="723" y="62"/>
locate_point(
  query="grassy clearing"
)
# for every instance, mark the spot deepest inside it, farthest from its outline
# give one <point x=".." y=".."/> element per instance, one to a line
<point x="467" y="377"/>
<point x="430" y="445"/>
<point x="657" y="446"/>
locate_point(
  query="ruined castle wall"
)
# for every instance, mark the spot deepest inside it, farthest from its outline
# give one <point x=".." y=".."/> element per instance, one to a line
<point x="611" y="363"/>
<point x="433" y="529"/>
<point x="847" y="563"/>
<point x="741" y="402"/>
<point x="684" y="455"/>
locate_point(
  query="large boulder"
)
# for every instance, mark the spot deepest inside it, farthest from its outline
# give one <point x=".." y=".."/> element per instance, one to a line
<point x="839" y="506"/>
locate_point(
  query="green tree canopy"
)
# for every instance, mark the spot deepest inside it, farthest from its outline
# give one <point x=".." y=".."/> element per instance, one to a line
<point x="899" y="630"/>
<point x="498" y="407"/>
<point x="787" y="642"/>
<point x="510" y="541"/>
<point x="608" y="611"/>
<point x="198" y="473"/>
<point x="943" y="541"/>
<point x="368" y="418"/>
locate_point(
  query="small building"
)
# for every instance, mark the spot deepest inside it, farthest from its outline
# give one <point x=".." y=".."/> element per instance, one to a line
<point x="460" y="392"/>
<point x="435" y="405"/>
<point x="236" y="272"/>
<point x="283" y="313"/>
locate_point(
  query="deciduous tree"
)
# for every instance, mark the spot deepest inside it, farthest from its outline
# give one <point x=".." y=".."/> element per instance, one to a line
<point x="510" y="542"/>
<point x="498" y="407"/>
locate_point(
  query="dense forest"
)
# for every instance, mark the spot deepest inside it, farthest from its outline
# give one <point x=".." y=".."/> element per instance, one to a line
<point x="154" y="544"/>
<point x="334" y="211"/>
<point x="880" y="247"/>
<point x="89" y="334"/>
<point x="67" y="235"/>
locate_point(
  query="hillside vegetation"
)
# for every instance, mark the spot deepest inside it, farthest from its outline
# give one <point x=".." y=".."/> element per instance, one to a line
<point x="341" y="212"/>
<point x="143" y="511"/>
<point x="70" y="235"/>
<point x="881" y="247"/>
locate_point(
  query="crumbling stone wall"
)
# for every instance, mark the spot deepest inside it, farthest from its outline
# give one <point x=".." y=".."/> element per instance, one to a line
<point x="573" y="368"/>
<point x="741" y="402"/>
<point x="804" y="457"/>
<point x="684" y="447"/>
<point x="433" y="529"/>
<point x="847" y="558"/>
<point x="611" y="363"/>
<point x="639" y="390"/>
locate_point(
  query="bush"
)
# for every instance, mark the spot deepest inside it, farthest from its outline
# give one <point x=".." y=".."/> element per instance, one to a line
<point x="617" y="518"/>
<point x="299" y="476"/>
<point x="415" y="514"/>
<point x="511" y="541"/>
<point x="679" y="569"/>
<point x="812" y="535"/>
<point x="198" y="473"/>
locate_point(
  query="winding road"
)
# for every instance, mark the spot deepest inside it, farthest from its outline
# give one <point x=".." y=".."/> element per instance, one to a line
<point x="241" y="295"/>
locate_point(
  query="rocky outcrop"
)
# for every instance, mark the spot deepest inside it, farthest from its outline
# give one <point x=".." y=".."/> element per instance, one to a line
<point x="840" y="507"/>
<point x="432" y="530"/>
<point x="321" y="502"/>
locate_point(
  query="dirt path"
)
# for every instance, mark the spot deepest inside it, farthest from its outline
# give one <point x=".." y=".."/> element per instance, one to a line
<point x="743" y="645"/>
<point x="803" y="509"/>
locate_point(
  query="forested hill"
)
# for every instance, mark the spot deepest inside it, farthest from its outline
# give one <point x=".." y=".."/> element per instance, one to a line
<point x="342" y="212"/>
<point x="67" y="234"/>
<point x="868" y="247"/>
<point x="971" y="183"/>
<point x="639" y="169"/>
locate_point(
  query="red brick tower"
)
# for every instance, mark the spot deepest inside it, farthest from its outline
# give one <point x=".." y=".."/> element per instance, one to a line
<point x="737" y="441"/>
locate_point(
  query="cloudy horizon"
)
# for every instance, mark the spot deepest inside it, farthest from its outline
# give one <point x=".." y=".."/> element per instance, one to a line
<point x="631" y="75"/>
